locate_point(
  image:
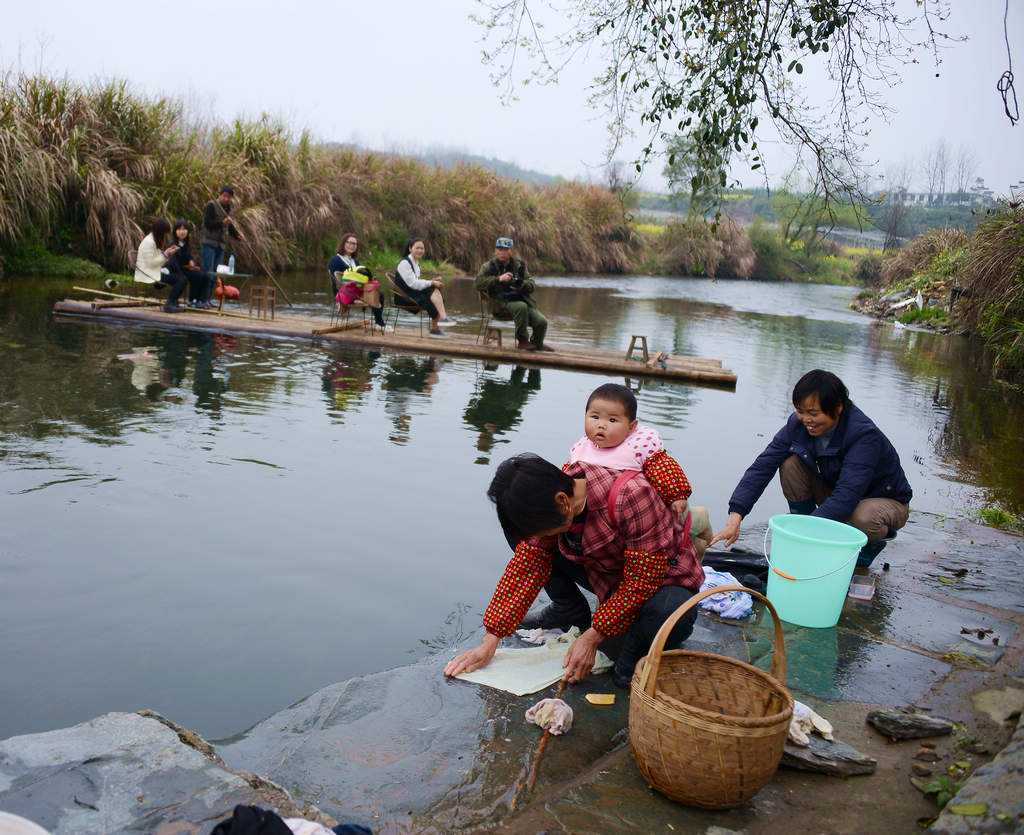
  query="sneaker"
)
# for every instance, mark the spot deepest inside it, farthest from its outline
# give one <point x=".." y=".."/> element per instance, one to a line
<point x="554" y="617"/>
<point x="526" y="346"/>
<point x="447" y="321"/>
<point x="437" y="332"/>
<point x="543" y="348"/>
<point x="173" y="308"/>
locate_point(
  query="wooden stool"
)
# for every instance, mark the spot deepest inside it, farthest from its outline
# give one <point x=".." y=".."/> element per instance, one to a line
<point x="632" y="345"/>
<point x="492" y="336"/>
<point x="263" y="297"/>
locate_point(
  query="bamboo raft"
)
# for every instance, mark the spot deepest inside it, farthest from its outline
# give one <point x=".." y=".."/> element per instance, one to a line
<point x="405" y="339"/>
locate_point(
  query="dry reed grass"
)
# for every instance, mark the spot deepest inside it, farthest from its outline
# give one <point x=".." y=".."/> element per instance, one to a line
<point x="994" y="304"/>
<point x="101" y="163"/>
<point x="920" y="252"/>
<point x="694" y="247"/>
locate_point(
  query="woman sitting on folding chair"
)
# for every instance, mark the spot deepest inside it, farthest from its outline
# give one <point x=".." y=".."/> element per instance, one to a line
<point x="348" y="283"/>
<point x="425" y="292"/>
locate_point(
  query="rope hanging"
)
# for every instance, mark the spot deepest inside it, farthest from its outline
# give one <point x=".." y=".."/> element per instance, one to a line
<point x="1005" y="83"/>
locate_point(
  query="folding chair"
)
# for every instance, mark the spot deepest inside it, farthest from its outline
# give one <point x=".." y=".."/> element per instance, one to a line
<point x="401" y="302"/>
<point x="341" y="312"/>
<point x="490" y="330"/>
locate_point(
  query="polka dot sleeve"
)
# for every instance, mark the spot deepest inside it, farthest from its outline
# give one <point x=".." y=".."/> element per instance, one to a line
<point x="524" y="577"/>
<point x="642" y="576"/>
<point x="667" y="477"/>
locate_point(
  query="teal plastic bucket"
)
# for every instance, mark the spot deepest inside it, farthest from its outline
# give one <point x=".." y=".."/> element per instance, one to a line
<point x="811" y="563"/>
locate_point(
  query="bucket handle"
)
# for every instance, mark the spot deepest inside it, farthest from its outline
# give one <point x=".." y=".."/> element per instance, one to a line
<point x="764" y="548"/>
<point x="649" y="675"/>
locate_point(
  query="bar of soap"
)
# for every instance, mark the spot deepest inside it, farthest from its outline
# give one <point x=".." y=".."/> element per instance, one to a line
<point x="601" y="698"/>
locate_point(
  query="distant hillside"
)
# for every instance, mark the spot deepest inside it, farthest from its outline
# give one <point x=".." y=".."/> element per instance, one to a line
<point x="448" y="158"/>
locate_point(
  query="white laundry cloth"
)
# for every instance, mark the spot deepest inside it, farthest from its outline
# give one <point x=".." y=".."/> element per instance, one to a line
<point x="804" y="721"/>
<point x="301" y="826"/>
<point x="552" y="715"/>
<point x="538" y="636"/>
<point x="728" y="604"/>
<point x="527" y="670"/>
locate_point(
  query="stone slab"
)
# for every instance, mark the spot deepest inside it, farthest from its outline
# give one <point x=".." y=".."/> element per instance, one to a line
<point x="999" y="785"/>
<point x="409" y="742"/>
<point x="120" y="772"/>
<point x="823" y="756"/>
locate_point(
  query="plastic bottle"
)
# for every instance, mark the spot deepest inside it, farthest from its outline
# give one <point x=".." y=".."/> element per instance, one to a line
<point x="231" y="264"/>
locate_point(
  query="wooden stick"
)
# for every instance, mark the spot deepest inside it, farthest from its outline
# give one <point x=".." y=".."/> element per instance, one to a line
<point x="148" y="300"/>
<point x="536" y="760"/>
<point x="117" y="295"/>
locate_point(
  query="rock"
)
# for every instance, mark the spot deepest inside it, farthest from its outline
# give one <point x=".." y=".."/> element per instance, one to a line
<point x="835" y="758"/>
<point x="126" y="772"/>
<point x="926" y="755"/>
<point x="920" y="770"/>
<point x="896" y="724"/>
<point x="992" y="799"/>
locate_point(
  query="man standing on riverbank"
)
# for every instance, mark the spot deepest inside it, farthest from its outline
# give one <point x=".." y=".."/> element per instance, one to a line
<point x="507" y="283"/>
<point x="832" y="462"/>
<point x="217" y="222"/>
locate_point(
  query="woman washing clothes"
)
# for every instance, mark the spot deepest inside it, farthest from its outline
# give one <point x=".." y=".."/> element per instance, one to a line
<point x="425" y="292"/>
<point x="346" y="289"/>
<point x="588" y="527"/>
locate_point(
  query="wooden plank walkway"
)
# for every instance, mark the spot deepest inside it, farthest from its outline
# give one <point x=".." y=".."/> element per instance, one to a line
<point x="408" y="340"/>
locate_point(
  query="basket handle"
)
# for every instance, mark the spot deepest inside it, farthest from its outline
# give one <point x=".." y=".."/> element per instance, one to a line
<point x="649" y="676"/>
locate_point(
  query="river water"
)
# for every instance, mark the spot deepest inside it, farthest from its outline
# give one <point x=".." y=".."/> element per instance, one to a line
<point x="217" y="529"/>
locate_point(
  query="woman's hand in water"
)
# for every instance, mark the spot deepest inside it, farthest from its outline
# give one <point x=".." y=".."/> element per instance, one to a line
<point x="580" y="658"/>
<point x="473" y="659"/>
<point x="730" y="533"/>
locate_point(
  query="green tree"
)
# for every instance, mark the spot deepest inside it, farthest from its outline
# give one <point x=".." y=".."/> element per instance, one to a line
<point x="688" y="172"/>
<point x="712" y="70"/>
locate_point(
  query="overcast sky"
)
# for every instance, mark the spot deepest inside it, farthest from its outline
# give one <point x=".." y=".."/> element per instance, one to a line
<point x="407" y="75"/>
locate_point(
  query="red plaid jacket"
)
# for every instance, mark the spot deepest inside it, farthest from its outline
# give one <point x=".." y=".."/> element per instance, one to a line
<point x="626" y="563"/>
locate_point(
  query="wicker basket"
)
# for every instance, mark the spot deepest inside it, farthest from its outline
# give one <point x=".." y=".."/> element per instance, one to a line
<point x="708" y="730"/>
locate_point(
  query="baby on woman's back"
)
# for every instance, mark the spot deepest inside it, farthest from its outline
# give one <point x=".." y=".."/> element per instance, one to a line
<point x="615" y="439"/>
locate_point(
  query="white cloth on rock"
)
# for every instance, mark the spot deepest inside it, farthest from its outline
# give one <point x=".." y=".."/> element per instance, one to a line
<point x="527" y="670"/>
<point x="552" y="715"/>
<point x="804" y="721"/>
<point x="538" y="636"/>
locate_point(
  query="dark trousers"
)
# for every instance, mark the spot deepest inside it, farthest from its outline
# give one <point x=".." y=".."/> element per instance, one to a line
<point x="422" y="298"/>
<point x="200" y="286"/>
<point x="563" y="589"/>
<point x="176" y="280"/>
<point x="210" y="256"/>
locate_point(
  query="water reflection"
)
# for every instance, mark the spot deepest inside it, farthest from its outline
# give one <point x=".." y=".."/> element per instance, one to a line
<point x="497" y="405"/>
<point x="346" y="380"/>
<point x="407" y="380"/>
<point x="110" y="448"/>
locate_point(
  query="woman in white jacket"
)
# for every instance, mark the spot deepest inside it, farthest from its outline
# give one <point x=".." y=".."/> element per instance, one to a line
<point x="425" y="292"/>
<point x="151" y="260"/>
